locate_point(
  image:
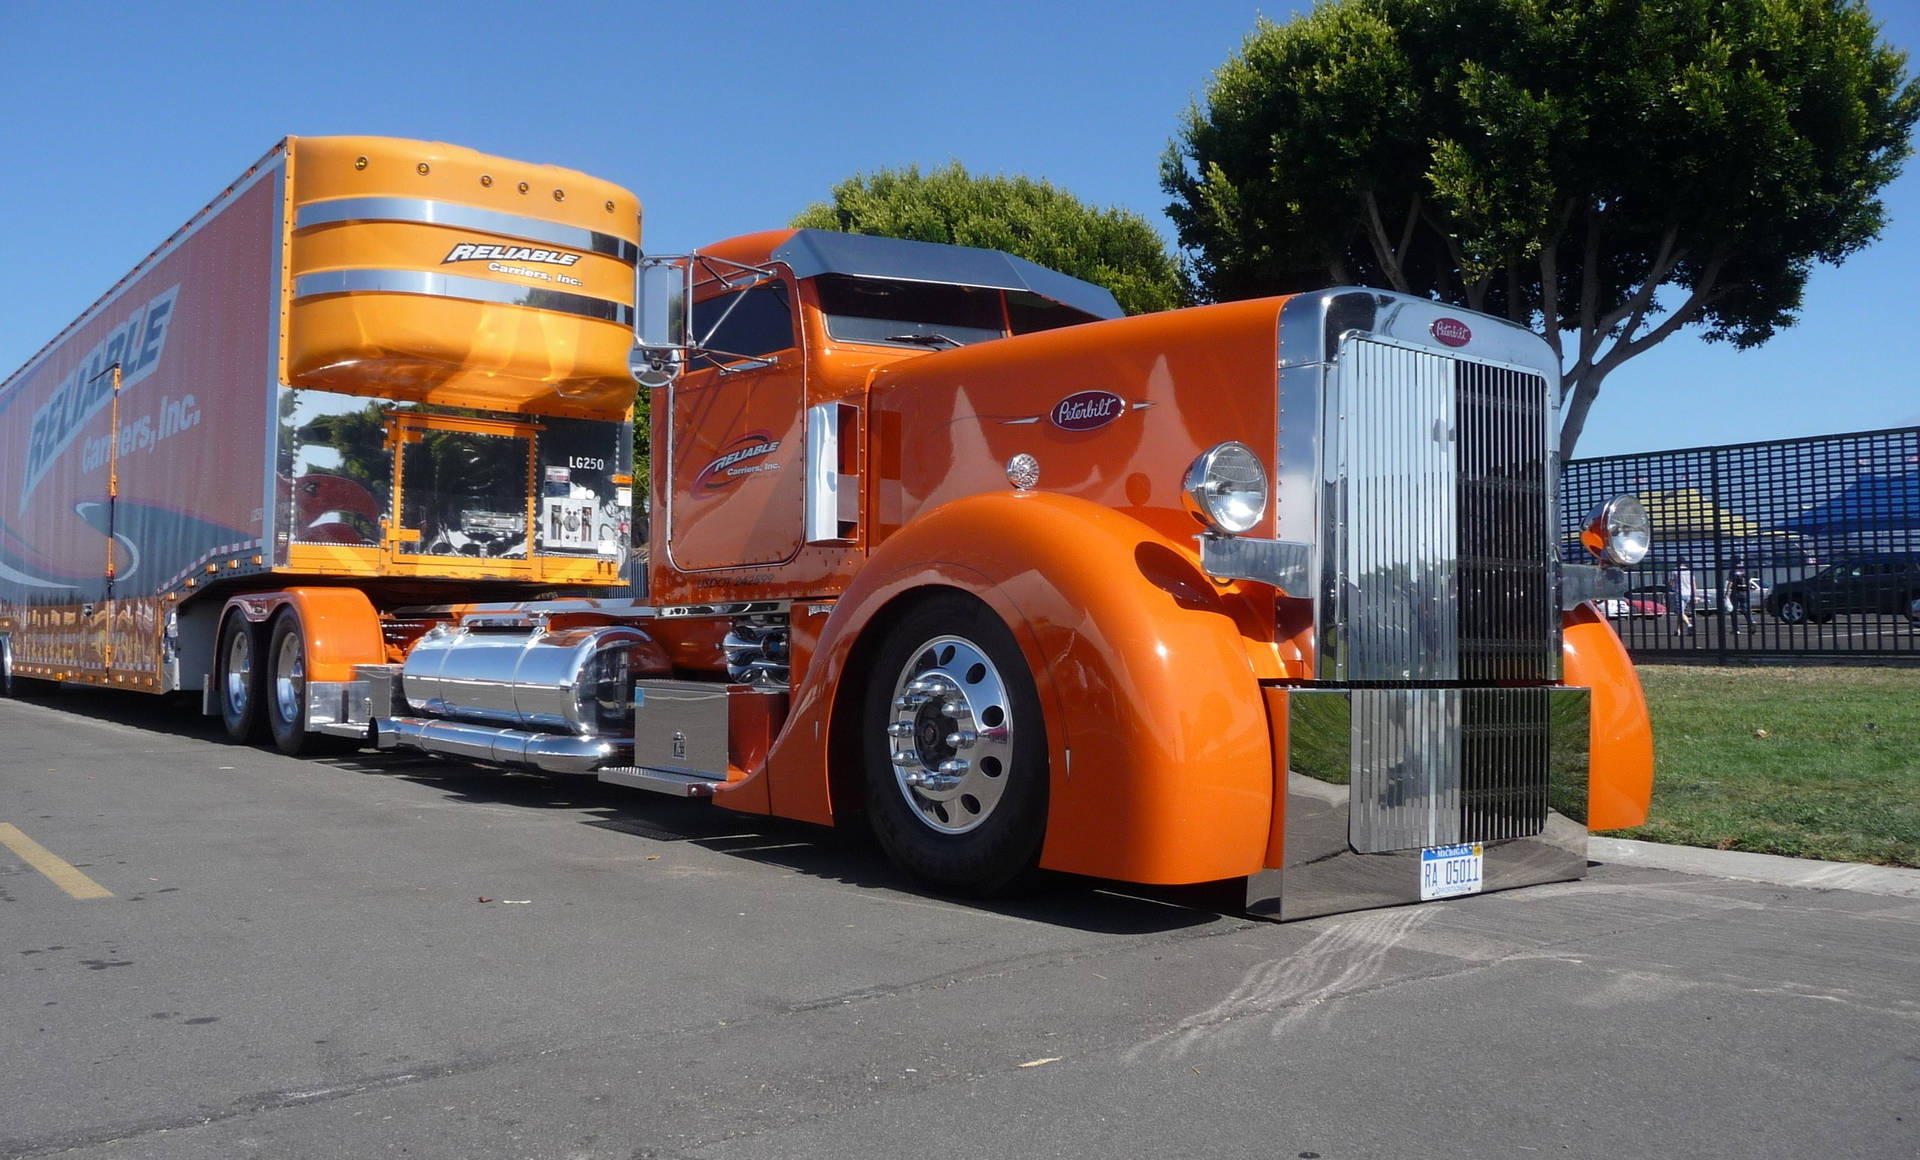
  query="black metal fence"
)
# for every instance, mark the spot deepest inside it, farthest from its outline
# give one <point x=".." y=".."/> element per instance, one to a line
<point x="1794" y="547"/>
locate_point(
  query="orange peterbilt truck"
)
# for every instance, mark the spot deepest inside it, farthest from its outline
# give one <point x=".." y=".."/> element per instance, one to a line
<point x="1265" y="593"/>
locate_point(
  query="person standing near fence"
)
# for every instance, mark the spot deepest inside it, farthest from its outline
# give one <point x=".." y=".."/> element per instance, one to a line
<point x="1683" y="597"/>
<point x="1739" y="597"/>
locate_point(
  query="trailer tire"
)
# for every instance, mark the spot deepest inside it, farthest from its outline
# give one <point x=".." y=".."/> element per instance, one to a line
<point x="240" y="678"/>
<point x="950" y="685"/>
<point x="285" y="700"/>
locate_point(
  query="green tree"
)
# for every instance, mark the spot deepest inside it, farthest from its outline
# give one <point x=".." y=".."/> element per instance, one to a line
<point x="1031" y="219"/>
<point x="1604" y="171"/>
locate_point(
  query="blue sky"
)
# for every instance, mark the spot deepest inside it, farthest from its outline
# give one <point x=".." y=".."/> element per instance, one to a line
<point x="724" y="117"/>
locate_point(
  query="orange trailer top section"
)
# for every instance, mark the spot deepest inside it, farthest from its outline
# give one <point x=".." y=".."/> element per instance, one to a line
<point x="429" y="273"/>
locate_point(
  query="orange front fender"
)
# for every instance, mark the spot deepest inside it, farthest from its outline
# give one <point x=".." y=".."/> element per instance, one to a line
<point x="1620" y="784"/>
<point x="1161" y="766"/>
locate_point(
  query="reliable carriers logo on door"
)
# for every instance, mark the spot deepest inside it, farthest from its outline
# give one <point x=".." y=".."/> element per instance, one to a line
<point x="736" y="463"/>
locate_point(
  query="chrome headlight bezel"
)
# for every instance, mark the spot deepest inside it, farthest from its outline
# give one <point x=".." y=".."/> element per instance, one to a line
<point x="1227" y="489"/>
<point x="1619" y="531"/>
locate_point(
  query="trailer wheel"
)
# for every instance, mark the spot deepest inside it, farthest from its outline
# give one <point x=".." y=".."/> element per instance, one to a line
<point x="239" y="678"/>
<point x="12" y="685"/>
<point x="286" y="685"/>
<point x="955" y="749"/>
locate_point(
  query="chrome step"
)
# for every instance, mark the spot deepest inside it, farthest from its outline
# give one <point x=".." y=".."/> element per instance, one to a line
<point x="683" y="783"/>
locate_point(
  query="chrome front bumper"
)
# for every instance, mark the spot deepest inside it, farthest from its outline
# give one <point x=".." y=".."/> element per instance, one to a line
<point x="1376" y="776"/>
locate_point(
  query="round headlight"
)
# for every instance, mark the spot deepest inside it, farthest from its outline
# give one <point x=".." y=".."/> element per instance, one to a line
<point x="1226" y="489"/>
<point x="1619" y="530"/>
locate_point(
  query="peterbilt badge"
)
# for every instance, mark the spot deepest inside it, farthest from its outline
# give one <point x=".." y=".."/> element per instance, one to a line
<point x="1451" y="331"/>
<point x="1087" y="410"/>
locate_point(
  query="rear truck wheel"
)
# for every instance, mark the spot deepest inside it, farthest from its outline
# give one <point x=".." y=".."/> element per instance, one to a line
<point x="240" y="678"/>
<point x="286" y="685"/>
<point x="955" y="750"/>
<point x="1792" y="610"/>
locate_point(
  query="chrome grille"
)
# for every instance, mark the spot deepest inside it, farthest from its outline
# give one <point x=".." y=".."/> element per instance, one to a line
<point x="1406" y="769"/>
<point x="1506" y="608"/>
<point x="1441" y="766"/>
<point x="1437" y="543"/>
<point x="1401" y="527"/>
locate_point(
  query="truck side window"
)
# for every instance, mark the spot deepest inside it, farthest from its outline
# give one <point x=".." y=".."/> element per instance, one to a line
<point x="759" y="323"/>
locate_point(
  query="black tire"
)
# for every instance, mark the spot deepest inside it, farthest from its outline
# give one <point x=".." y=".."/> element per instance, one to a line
<point x="285" y="700"/>
<point x="1792" y="609"/>
<point x="240" y="679"/>
<point x="951" y="681"/>
<point x="10" y="685"/>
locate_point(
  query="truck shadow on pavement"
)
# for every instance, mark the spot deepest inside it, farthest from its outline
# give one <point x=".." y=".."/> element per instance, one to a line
<point x="849" y="856"/>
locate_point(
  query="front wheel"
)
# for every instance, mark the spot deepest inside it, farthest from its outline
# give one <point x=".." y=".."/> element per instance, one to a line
<point x="1792" y="610"/>
<point x="955" y="749"/>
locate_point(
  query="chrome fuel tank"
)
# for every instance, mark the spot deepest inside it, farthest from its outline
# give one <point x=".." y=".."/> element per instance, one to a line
<point x="575" y="680"/>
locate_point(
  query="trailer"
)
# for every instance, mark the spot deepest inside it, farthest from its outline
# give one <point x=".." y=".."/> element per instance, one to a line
<point x="371" y="373"/>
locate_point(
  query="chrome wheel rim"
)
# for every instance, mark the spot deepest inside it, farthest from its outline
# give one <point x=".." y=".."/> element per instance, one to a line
<point x="289" y="677"/>
<point x="950" y="735"/>
<point x="239" y="670"/>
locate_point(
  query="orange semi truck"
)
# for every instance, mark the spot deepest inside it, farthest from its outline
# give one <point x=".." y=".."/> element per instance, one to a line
<point x="1264" y="593"/>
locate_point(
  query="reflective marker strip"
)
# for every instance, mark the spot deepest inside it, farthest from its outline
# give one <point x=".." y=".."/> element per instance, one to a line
<point x="443" y="213"/>
<point x="62" y="874"/>
<point x="434" y="285"/>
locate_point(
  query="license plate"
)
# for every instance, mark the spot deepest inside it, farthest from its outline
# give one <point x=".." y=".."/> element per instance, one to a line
<point x="1448" y="871"/>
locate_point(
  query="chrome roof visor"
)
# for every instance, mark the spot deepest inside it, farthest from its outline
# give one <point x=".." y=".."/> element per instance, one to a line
<point x="810" y="252"/>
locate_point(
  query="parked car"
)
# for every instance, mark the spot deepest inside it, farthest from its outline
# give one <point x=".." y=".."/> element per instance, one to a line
<point x="1872" y="584"/>
<point x="1633" y="604"/>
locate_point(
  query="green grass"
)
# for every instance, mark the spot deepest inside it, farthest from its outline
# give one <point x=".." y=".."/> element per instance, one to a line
<point x="1808" y="762"/>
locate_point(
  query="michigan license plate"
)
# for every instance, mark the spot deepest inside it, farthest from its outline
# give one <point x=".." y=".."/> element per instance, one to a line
<point x="1448" y="871"/>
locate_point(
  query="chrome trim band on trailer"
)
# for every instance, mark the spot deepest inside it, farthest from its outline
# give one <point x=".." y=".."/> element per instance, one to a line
<point x="432" y="285"/>
<point x="1378" y="776"/>
<point x="445" y="213"/>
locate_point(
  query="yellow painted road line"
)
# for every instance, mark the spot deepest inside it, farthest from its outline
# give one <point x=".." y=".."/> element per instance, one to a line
<point x="47" y="862"/>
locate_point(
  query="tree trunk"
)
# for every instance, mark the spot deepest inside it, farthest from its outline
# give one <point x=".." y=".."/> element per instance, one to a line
<point x="1579" y="394"/>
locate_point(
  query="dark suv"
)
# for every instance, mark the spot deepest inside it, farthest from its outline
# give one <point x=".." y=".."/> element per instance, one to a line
<point x="1888" y="584"/>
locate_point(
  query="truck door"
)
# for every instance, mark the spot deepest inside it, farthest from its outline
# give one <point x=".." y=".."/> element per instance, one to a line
<point x="737" y="496"/>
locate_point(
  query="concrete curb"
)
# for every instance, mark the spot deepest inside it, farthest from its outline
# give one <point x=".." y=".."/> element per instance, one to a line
<point x="1890" y="880"/>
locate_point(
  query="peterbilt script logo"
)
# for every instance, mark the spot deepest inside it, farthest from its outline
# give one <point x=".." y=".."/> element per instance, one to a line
<point x="736" y="463"/>
<point x="1088" y="410"/>
<point x="1451" y="331"/>
<point x="475" y="252"/>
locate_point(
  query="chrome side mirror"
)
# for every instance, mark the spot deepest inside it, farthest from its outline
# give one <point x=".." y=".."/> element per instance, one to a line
<point x="663" y="288"/>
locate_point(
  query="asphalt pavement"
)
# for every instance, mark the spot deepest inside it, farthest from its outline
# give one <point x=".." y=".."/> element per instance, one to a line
<point x="368" y="955"/>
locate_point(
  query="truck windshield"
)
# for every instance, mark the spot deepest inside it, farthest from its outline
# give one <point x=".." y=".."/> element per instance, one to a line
<point x="930" y="314"/>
